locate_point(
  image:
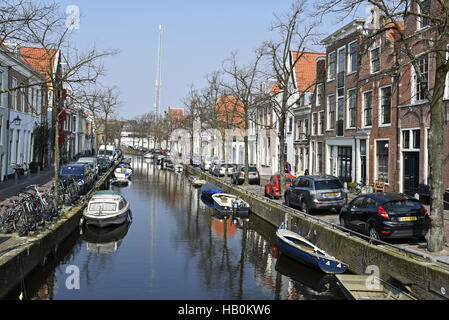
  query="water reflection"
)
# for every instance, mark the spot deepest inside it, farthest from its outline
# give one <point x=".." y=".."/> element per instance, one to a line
<point x="104" y="240"/>
<point x="176" y="248"/>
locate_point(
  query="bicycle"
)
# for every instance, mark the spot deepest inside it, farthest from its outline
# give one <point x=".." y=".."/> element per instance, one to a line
<point x="6" y="219"/>
<point x="361" y="187"/>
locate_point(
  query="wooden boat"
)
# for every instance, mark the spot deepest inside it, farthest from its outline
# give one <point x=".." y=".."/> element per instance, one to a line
<point x="106" y="208"/>
<point x="369" y="287"/>
<point x="148" y="155"/>
<point x="228" y="203"/>
<point x="300" y="249"/>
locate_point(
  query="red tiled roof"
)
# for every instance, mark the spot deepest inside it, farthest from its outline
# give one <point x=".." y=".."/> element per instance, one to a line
<point x="230" y="110"/>
<point x="305" y="72"/>
<point x="40" y="59"/>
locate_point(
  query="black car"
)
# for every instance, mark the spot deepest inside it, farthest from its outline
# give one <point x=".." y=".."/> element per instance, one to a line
<point x="316" y="193"/>
<point x="386" y="215"/>
<point x="103" y="163"/>
<point x="82" y="174"/>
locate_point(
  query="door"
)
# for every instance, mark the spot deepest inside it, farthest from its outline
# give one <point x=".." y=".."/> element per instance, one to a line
<point x="356" y="213"/>
<point x="411" y="173"/>
<point x="344" y="164"/>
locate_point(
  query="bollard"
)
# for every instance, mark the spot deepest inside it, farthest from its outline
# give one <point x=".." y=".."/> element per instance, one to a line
<point x="16" y="178"/>
<point x="38" y="170"/>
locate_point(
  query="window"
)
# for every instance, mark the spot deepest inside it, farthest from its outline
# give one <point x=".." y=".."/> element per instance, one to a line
<point x="375" y="60"/>
<point x="416" y="138"/>
<point x="1" y="131"/>
<point x="368" y="108"/>
<point x="423" y="21"/>
<point x="340" y="120"/>
<point x="14" y="93"/>
<point x="385" y="100"/>
<point x="332" y="57"/>
<point x="405" y="139"/>
<point x="321" y="122"/>
<point x="352" y="107"/>
<point x="320" y="157"/>
<point x="314" y="123"/>
<point x="306" y="127"/>
<point x="299" y="125"/>
<point x="331" y="112"/>
<point x="290" y="124"/>
<point x="422" y="86"/>
<point x="319" y="94"/>
<point x="382" y="160"/>
<point x="353" y="56"/>
<point x="341" y="67"/>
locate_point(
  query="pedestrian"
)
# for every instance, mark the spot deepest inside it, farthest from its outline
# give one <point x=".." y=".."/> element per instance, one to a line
<point x="288" y="167"/>
<point x="306" y="172"/>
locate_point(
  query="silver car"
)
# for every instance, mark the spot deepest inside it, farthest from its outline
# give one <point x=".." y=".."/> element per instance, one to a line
<point x="316" y="193"/>
<point x="206" y="162"/>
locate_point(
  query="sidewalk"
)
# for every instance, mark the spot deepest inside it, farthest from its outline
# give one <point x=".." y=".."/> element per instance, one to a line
<point x="9" y="188"/>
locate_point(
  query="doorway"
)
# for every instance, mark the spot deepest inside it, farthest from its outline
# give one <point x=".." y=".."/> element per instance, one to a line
<point x="411" y="173"/>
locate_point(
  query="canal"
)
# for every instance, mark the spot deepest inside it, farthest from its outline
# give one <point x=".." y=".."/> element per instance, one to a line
<point x="175" y="248"/>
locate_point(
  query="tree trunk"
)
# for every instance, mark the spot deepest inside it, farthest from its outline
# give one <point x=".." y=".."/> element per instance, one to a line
<point x="436" y="236"/>
<point x="281" y="135"/>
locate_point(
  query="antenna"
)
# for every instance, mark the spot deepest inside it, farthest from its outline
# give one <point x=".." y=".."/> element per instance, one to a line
<point x="157" y="101"/>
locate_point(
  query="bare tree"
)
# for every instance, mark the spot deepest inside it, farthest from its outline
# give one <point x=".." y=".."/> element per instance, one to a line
<point x="108" y="105"/>
<point x="243" y="84"/>
<point x="432" y="40"/>
<point x="296" y="34"/>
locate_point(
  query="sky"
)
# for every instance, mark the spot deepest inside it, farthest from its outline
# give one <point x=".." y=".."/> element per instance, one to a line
<point x="198" y="35"/>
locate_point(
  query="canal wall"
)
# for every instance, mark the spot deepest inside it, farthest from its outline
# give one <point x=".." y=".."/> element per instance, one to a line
<point x="31" y="251"/>
<point x="422" y="277"/>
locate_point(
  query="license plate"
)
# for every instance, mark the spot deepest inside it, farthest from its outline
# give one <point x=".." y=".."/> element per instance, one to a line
<point x="332" y="194"/>
<point x="408" y="218"/>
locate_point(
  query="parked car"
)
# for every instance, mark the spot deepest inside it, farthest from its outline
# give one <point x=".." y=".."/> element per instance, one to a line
<point x="238" y="175"/>
<point x="118" y="153"/>
<point x="206" y="162"/>
<point x="213" y="164"/>
<point x="82" y="174"/>
<point x="93" y="164"/>
<point x="195" y="161"/>
<point x="316" y="193"/>
<point x="107" y="151"/>
<point x="272" y="188"/>
<point x="220" y="169"/>
<point x="384" y="215"/>
<point x="103" y="163"/>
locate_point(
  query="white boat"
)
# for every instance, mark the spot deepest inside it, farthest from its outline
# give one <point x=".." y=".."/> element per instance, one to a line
<point x="197" y="183"/>
<point x="178" y="168"/>
<point x="106" y="208"/>
<point x="228" y="203"/>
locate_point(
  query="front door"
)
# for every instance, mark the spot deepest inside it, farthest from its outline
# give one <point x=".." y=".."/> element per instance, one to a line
<point x="411" y="173"/>
<point x="344" y="164"/>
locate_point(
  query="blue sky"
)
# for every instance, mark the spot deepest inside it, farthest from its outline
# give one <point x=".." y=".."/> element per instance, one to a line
<point x="198" y="36"/>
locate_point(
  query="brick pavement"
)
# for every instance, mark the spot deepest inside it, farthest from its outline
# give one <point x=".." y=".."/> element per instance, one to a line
<point x="9" y="188"/>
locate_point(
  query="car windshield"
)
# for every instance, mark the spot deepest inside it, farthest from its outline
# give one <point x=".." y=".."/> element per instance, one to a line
<point x="402" y="205"/>
<point x="102" y="161"/>
<point x="72" y="170"/>
<point x="328" y="184"/>
<point x="85" y="160"/>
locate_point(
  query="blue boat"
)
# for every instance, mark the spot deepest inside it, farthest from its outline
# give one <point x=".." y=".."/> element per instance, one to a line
<point x="210" y="189"/>
<point x="298" y="248"/>
<point x="207" y="200"/>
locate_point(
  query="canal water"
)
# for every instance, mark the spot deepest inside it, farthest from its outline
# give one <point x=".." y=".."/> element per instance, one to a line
<point x="176" y="247"/>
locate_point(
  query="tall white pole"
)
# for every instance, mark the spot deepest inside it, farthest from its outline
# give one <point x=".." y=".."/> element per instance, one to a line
<point x="158" y="76"/>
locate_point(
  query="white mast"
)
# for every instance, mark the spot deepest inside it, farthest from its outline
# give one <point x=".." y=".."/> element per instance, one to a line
<point x="158" y="76"/>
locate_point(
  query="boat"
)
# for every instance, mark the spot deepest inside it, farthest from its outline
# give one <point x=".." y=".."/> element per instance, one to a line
<point x="169" y="165"/>
<point x="207" y="200"/>
<point x="210" y="189"/>
<point x="148" y="155"/>
<point x="178" y="168"/>
<point x="106" y="208"/>
<point x="369" y="287"/>
<point x="300" y="249"/>
<point x="198" y="182"/>
<point x="122" y="174"/>
<point x="228" y="203"/>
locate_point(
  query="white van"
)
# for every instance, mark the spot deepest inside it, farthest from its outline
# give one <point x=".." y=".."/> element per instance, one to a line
<point x="110" y="151"/>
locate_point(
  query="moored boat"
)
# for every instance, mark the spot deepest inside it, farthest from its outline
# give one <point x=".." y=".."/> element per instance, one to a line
<point x="229" y="203"/>
<point x="369" y="287"/>
<point x="300" y="249"/>
<point x="106" y="208"/>
<point x="197" y="182"/>
<point x="210" y="189"/>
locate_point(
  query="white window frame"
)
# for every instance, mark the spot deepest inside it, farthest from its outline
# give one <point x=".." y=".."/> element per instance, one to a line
<point x="318" y="95"/>
<point x="419" y="25"/>
<point x="314" y="130"/>
<point x="381" y="111"/>
<point x="328" y="65"/>
<point x="14" y="93"/>
<point x="348" y="114"/>
<point x="446" y="87"/>
<point x="364" y="125"/>
<point x="328" y="128"/>
<point x="320" y="127"/>
<point x="414" y="79"/>
<point x="338" y="60"/>
<point x="349" y="60"/>
<point x="1" y="94"/>
<point x="371" y="59"/>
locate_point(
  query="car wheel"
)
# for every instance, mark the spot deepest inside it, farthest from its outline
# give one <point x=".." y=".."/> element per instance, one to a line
<point x="343" y="222"/>
<point x="373" y="233"/>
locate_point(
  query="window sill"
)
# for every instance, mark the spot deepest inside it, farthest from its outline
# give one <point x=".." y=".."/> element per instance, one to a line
<point x="385" y="125"/>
